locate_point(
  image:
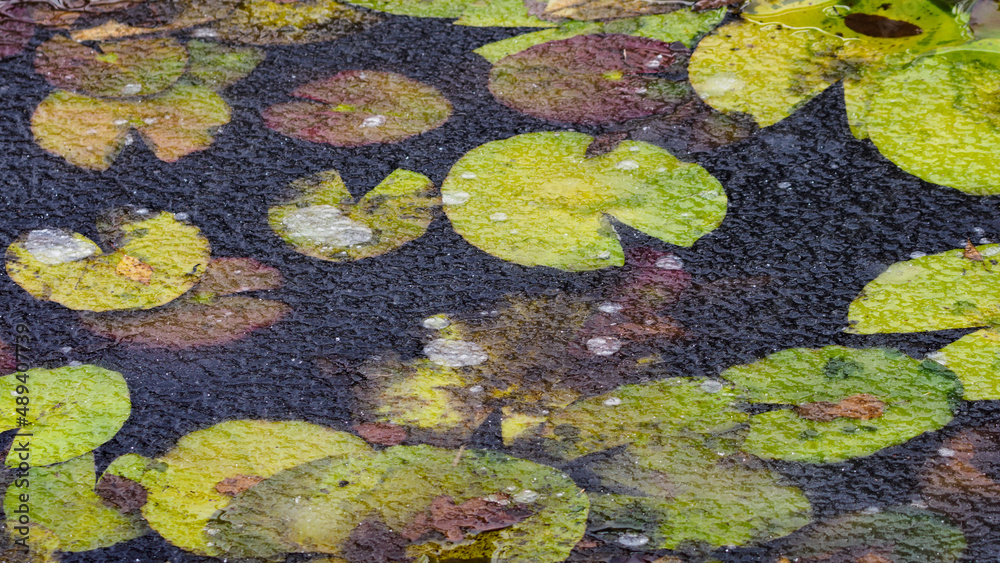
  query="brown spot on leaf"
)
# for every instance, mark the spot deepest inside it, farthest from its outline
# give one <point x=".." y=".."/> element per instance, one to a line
<point x="121" y="493"/>
<point x="970" y="252"/>
<point x="880" y="26"/>
<point x="702" y="5"/>
<point x="374" y="542"/>
<point x="134" y="269"/>
<point x="232" y="486"/>
<point x="859" y="407"/>
<point x="603" y="144"/>
<point x="475" y="515"/>
<point x="382" y="433"/>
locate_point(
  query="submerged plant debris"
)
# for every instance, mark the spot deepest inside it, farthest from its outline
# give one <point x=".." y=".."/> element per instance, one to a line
<point x="519" y="281"/>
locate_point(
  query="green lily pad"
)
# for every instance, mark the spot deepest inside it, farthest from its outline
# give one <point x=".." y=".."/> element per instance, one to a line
<point x="683" y="26"/>
<point x="216" y="66"/>
<point x="91" y="132"/>
<point x="69" y="411"/>
<point x="500" y="13"/>
<point x="317" y="507"/>
<point x="689" y="493"/>
<point x="158" y="258"/>
<point x="938" y="120"/>
<point x="588" y="10"/>
<point x="360" y="107"/>
<point x="61" y="499"/>
<point x="848" y="403"/>
<point x="207" y="315"/>
<point x="935" y="292"/>
<point x="537" y="200"/>
<point x="975" y="358"/>
<point x="899" y="534"/>
<point x="321" y="219"/>
<point x="643" y="414"/>
<point x="135" y="67"/>
<point x="591" y="79"/>
<point x="208" y="467"/>
<point x="784" y="53"/>
<point x="270" y="22"/>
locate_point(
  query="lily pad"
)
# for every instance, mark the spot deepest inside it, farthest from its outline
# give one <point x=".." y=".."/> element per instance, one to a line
<point x="938" y="120"/>
<point x="216" y="66"/>
<point x="847" y="403"/>
<point x="321" y="219"/>
<point x="360" y="107"/>
<point x="270" y="22"/>
<point x="588" y="10"/>
<point x="784" y="53"/>
<point x="136" y="67"/>
<point x="91" y="132"/>
<point x="975" y="358"/>
<point x="184" y="484"/>
<point x="61" y="499"/>
<point x="158" y="258"/>
<point x="537" y="200"/>
<point x="962" y="480"/>
<point x="899" y="534"/>
<point x="935" y="292"/>
<point x="63" y="412"/>
<point x="14" y="37"/>
<point x="592" y="79"/>
<point x="208" y="315"/>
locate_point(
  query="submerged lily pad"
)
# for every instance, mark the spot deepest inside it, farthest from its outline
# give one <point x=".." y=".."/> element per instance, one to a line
<point x="537" y="200"/>
<point x="206" y="468"/>
<point x="935" y="292"/>
<point x="216" y="66"/>
<point x="784" y="53"/>
<point x="69" y="411"/>
<point x="136" y="67"/>
<point x="975" y="358"/>
<point x="208" y="315"/>
<point x="61" y="499"/>
<point x="158" y="258"/>
<point x="938" y="120"/>
<point x="91" y="132"/>
<point x="591" y="79"/>
<point x="847" y="403"/>
<point x="360" y="107"/>
<point x="321" y="219"/>
<point x="899" y="535"/>
<point x="463" y="505"/>
<point x="962" y="480"/>
<point x="270" y="22"/>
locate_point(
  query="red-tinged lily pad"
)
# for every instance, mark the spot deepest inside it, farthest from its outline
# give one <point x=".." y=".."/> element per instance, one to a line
<point x="592" y="79"/>
<point x="589" y="10"/>
<point x="360" y="107"/>
<point x="136" y="67"/>
<point x="290" y="22"/>
<point x="14" y="37"/>
<point x="207" y="316"/>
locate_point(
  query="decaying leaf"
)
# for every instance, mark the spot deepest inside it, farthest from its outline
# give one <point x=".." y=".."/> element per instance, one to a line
<point x="381" y="433"/>
<point x="120" y="493"/>
<point x="455" y="521"/>
<point x="862" y="406"/>
<point x="232" y="486"/>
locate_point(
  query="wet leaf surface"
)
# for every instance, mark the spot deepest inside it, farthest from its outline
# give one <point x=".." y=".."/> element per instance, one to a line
<point x="55" y="265"/>
<point x="975" y="358"/>
<point x="936" y="292"/>
<point x="874" y="398"/>
<point x="320" y="218"/>
<point x="360" y="107"/>
<point x="120" y="493"/>
<point x="271" y="22"/>
<point x="601" y="9"/>
<point x="591" y="79"/>
<point x="70" y="411"/>
<point x="555" y="211"/>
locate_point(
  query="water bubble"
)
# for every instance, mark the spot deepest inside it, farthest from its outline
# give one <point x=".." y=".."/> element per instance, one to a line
<point x="709" y="194"/>
<point x="469" y="175"/>
<point x="712" y="386"/>
<point x="325" y="224"/>
<point x="604" y="255"/>
<point x="871" y="510"/>
<point x="205" y="33"/>
<point x="632" y="540"/>
<point x="612" y="402"/>
<point x="52" y="247"/>
<point x="120" y="122"/>
<point x="498" y="216"/>
<point x="182" y="217"/>
<point x="938" y="357"/>
<point x="66" y="349"/>
<point x="604" y="345"/>
<point x="455" y="353"/>
<point x="455" y="198"/>
<point x="946" y="452"/>
<point x="919" y="503"/>
<point x="374" y="121"/>
<point x="131" y="89"/>
<point x="149" y="120"/>
<point x="476" y="389"/>
<point x="991" y="251"/>
<point x="610" y="307"/>
<point x="784" y="185"/>
<point x="437" y="322"/>
<point x="142" y="211"/>
<point x="527" y="496"/>
<point x="75" y="364"/>
<point x="917" y="254"/>
<point x="627" y="165"/>
<point x="669" y="262"/>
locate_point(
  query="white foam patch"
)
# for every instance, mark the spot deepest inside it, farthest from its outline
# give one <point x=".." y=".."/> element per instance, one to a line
<point x="374" y="121"/>
<point x="325" y="224"/>
<point x="455" y="353"/>
<point x="52" y="247"/>
<point x="604" y="345"/>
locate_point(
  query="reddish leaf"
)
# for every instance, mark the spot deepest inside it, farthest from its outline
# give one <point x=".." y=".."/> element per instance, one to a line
<point x="374" y="542"/>
<point x="121" y="493"/>
<point x="14" y="37"/>
<point x="232" y="486"/>
<point x="381" y="433"/>
<point x="472" y="516"/>
<point x="225" y="276"/>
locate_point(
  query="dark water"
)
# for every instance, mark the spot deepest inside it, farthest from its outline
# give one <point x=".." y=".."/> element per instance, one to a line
<point x="814" y="214"/>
